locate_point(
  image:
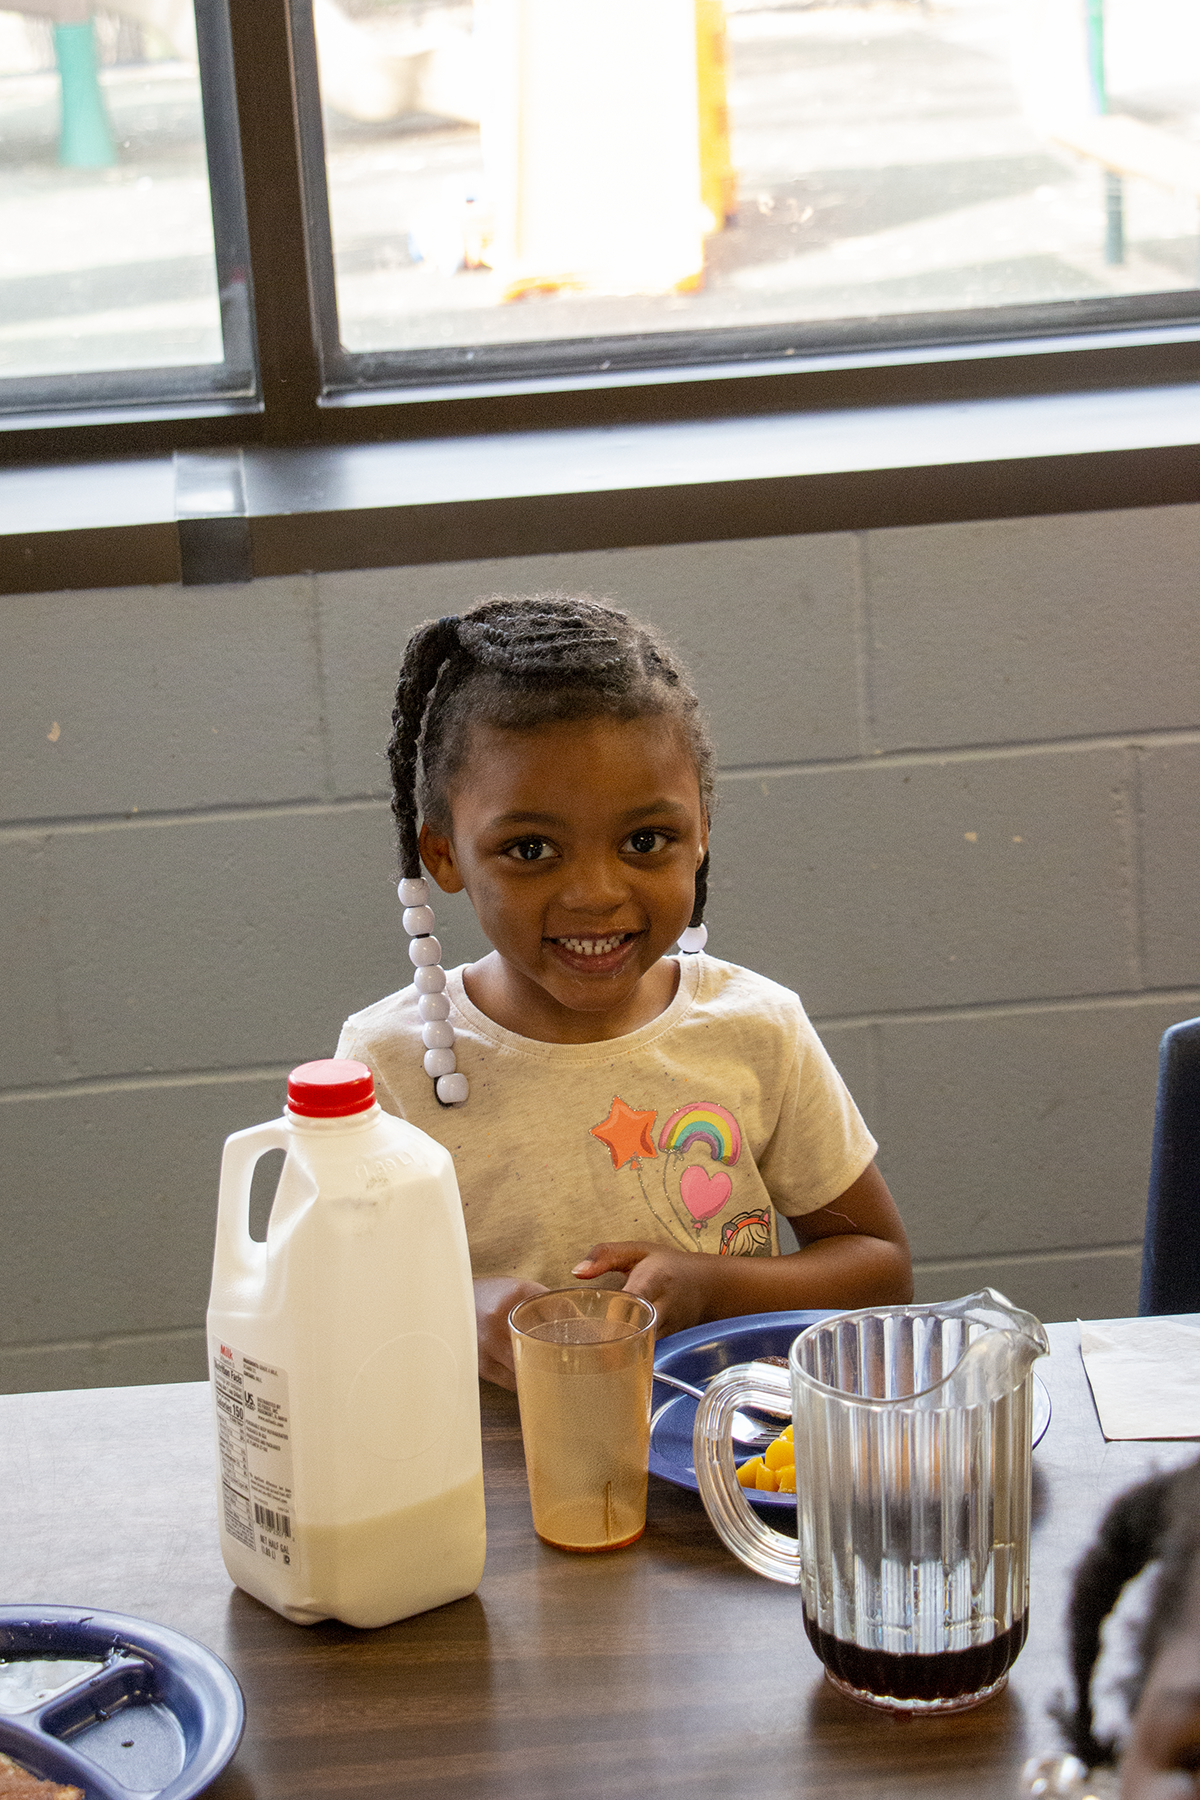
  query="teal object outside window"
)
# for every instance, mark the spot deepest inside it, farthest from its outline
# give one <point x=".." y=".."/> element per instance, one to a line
<point x="1095" y="44"/>
<point x="85" y="141"/>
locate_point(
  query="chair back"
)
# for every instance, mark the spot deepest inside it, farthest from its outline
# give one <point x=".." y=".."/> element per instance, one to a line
<point x="1171" y="1245"/>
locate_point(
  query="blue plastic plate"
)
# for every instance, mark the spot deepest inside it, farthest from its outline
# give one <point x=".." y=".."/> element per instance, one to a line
<point x="161" y="1718"/>
<point x="699" y="1354"/>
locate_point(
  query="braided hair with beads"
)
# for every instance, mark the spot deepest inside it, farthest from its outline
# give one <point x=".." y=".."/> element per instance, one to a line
<point x="1159" y="1519"/>
<point x="516" y="663"/>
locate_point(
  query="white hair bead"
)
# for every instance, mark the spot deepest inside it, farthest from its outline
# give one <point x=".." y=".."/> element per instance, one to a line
<point x="693" y="939"/>
<point x="425" y="954"/>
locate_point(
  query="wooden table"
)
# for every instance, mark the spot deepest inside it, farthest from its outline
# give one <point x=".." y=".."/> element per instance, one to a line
<point x="665" y="1669"/>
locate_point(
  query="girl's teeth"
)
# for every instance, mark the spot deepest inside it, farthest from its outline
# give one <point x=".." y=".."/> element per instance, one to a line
<point x="591" y="946"/>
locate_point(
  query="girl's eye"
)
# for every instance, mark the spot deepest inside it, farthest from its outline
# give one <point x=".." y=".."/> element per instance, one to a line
<point x="530" y="850"/>
<point x="646" y="841"/>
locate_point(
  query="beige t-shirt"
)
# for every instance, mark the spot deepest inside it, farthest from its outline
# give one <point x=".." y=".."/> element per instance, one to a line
<point x="689" y="1132"/>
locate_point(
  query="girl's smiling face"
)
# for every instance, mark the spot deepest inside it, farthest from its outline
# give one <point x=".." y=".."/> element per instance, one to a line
<point x="578" y="845"/>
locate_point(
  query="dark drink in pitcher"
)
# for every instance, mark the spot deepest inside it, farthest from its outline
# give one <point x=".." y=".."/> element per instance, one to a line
<point x="941" y="1680"/>
<point x="913" y="1426"/>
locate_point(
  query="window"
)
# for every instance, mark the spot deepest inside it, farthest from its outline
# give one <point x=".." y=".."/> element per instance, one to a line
<point x="125" y="266"/>
<point x="454" y="209"/>
<point x="541" y="184"/>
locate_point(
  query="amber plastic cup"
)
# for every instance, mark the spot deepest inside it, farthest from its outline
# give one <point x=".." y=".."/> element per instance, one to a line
<point x="585" y="1368"/>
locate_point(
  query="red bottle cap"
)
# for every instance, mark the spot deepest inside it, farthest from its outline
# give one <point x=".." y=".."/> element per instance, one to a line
<point x="331" y="1089"/>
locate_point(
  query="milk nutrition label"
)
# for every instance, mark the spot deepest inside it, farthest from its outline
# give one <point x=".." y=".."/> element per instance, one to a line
<point x="256" y="1453"/>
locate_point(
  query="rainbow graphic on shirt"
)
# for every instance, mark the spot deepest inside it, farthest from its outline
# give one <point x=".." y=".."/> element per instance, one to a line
<point x="706" y="1124"/>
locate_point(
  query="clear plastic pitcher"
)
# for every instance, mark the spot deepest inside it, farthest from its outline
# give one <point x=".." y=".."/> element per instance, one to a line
<point x="913" y="1433"/>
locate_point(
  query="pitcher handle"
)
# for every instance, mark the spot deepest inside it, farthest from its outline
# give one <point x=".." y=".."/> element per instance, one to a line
<point x="238" y="1159"/>
<point x="738" y="1526"/>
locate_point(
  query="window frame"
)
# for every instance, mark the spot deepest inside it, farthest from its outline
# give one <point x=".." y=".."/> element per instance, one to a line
<point x="1112" y="344"/>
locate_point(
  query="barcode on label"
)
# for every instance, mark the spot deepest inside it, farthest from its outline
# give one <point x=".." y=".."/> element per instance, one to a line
<point x="270" y="1520"/>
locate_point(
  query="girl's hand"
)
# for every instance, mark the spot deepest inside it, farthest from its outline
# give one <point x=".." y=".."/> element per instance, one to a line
<point x="495" y="1297"/>
<point x="853" y="1252"/>
<point x="676" y="1283"/>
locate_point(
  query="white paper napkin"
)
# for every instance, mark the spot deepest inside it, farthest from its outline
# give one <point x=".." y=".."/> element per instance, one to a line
<point x="1145" y="1376"/>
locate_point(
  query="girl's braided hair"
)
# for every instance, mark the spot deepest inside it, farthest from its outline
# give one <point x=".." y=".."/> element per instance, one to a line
<point x="517" y="663"/>
<point x="1159" y="1518"/>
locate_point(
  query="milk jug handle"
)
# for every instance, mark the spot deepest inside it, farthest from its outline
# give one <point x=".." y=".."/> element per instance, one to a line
<point x="241" y="1154"/>
<point x="738" y="1526"/>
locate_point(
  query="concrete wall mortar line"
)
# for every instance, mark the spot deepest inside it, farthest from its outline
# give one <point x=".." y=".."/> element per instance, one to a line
<point x="17" y="830"/>
<point x="968" y="753"/>
<point x="84" y="1087"/>
<point x="1080" y="1253"/>
<point x="863" y="658"/>
<point x="1137" y="859"/>
<point x="1124" y="800"/>
<point x="317" y="641"/>
<point x="177" y="1334"/>
<point x="1002" y="1009"/>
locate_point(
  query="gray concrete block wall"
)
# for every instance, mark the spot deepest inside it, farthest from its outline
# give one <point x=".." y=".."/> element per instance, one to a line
<point x="1034" y="630"/>
<point x="958" y="777"/>
<point x="160" y="699"/>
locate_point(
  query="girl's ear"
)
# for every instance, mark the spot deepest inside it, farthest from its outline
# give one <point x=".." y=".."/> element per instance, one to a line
<point x="437" y="853"/>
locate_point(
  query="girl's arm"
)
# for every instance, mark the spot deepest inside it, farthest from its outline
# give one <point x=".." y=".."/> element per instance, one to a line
<point x="495" y="1297"/>
<point x="853" y="1252"/>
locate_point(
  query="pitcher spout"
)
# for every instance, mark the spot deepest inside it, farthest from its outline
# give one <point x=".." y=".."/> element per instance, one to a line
<point x="1002" y="1344"/>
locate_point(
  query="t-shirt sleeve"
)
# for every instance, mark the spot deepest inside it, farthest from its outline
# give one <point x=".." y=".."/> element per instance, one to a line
<point x="351" y="1046"/>
<point x="820" y="1145"/>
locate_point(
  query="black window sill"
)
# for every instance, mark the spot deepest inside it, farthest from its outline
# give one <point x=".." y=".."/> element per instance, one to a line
<point x="452" y="499"/>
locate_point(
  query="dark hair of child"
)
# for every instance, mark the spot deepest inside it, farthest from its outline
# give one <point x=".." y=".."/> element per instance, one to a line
<point x="517" y="664"/>
<point x="1158" y="1519"/>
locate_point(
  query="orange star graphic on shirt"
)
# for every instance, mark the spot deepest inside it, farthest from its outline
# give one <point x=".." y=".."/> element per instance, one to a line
<point x="627" y="1132"/>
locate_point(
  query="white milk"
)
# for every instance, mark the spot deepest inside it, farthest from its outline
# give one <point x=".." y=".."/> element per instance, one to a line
<point x="343" y="1359"/>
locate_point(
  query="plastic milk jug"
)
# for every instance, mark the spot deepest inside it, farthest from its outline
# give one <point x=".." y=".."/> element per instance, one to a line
<point x="344" y="1364"/>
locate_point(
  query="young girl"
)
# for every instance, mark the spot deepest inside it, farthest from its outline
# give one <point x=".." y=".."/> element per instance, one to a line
<point x="613" y="1111"/>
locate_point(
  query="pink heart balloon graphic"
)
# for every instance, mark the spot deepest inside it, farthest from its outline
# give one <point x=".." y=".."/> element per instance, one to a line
<point x="704" y="1194"/>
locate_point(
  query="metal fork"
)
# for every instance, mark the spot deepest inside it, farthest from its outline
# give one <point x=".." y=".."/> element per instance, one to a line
<point x="743" y="1431"/>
